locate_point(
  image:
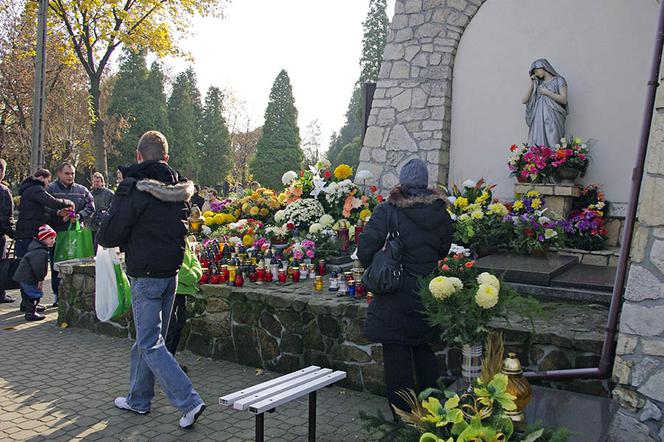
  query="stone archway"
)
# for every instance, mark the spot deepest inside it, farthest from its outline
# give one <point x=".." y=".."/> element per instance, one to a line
<point x="411" y="112"/>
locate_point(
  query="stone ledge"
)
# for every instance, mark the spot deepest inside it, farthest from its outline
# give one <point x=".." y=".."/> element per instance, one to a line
<point x="549" y="189"/>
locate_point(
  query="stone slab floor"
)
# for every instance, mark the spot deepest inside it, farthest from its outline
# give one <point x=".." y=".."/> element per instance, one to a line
<point x="59" y="385"/>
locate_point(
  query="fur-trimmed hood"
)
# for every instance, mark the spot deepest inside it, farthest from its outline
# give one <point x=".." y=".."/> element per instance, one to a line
<point x="170" y="193"/>
<point x="399" y="199"/>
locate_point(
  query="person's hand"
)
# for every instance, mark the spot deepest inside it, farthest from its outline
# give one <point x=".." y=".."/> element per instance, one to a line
<point x="70" y="204"/>
<point x="63" y="212"/>
<point x="73" y="217"/>
<point x="544" y="91"/>
<point x="533" y="77"/>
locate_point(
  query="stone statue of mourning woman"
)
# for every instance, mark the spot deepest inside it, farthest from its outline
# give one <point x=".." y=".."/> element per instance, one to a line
<point x="546" y="105"/>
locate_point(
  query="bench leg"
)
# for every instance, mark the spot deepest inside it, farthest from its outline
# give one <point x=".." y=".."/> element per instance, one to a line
<point x="312" y="416"/>
<point x="260" y="421"/>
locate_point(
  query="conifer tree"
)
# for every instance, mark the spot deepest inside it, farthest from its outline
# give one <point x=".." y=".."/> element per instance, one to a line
<point x="278" y="150"/>
<point x="215" y="154"/>
<point x="375" y="28"/>
<point x="182" y="115"/>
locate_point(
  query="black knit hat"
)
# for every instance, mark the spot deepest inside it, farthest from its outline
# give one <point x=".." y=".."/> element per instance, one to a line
<point x="414" y="175"/>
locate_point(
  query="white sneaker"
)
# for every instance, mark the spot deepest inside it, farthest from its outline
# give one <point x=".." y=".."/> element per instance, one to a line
<point x="188" y="420"/>
<point x="121" y="403"/>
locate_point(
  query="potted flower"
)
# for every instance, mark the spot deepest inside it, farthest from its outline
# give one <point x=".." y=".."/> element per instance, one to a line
<point x="531" y="163"/>
<point x="534" y="232"/>
<point x="570" y="160"/>
<point x="462" y="301"/>
<point x="585" y="227"/>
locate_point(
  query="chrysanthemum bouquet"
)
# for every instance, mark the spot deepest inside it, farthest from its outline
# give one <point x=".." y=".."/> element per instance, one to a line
<point x="302" y="213"/>
<point x="258" y="204"/>
<point x="463" y="301"/>
<point x="534" y="231"/>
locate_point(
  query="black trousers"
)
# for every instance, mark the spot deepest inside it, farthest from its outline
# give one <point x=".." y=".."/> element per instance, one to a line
<point x="404" y="363"/>
<point x="177" y="323"/>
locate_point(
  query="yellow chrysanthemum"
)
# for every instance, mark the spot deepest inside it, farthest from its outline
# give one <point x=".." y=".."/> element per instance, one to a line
<point x="230" y="218"/>
<point x="247" y="240"/>
<point x="518" y="205"/>
<point x="536" y="203"/>
<point x="442" y="287"/>
<point x="255" y="196"/>
<point x="343" y="171"/>
<point x="219" y="218"/>
<point x="245" y="207"/>
<point x="480" y="199"/>
<point x="461" y="202"/>
<point x="282" y="198"/>
<point x="532" y="194"/>
<point x="477" y="214"/>
<point x="464" y="217"/>
<point x="208" y="214"/>
<point x="264" y="212"/>
<point x="208" y="221"/>
<point x="488" y="278"/>
<point x="254" y="211"/>
<point x="364" y="214"/>
<point x="486" y="296"/>
<point x="498" y="209"/>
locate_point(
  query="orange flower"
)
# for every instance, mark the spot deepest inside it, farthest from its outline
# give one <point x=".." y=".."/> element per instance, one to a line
<point x="348" y="205"/>
<point x="470" y="264"/>
<point x="365" y="201"/>
<point x="379" y="198"/>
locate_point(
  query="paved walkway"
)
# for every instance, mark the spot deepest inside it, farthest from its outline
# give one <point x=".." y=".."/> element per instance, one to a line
<point x="59" y="385"/>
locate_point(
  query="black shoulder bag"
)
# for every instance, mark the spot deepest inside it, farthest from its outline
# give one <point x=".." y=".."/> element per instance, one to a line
<point x="383" y="276"/>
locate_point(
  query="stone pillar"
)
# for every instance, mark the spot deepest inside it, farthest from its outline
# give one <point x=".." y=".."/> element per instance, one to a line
<point x="411" y="112"/>
<point x="639" y="365"/>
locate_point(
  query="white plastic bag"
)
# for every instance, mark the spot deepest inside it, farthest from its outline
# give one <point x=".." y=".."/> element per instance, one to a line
<point x="106" y="287"/>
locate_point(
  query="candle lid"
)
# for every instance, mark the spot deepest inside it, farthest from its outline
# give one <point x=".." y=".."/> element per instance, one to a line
<point x="512" y="365"/>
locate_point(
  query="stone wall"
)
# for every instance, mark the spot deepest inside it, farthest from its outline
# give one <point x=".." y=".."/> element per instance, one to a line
<point x="284" y="328"/>
<point x="411" y="112"/>
<point x="639" y="364"/>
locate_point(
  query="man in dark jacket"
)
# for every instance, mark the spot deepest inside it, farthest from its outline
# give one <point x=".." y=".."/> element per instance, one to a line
<point x="6" y="221"/>
<point x="103" y="197"/>
<point x="395" y="319"/>
<point x="35" y="201"/>
<point x="147" y="219"/>
<point x="84" y="207"/>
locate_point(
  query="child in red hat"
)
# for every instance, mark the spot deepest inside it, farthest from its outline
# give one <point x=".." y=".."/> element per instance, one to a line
<point x="33" y="268"/>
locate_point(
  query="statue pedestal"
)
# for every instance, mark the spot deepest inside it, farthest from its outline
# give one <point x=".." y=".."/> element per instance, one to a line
<point x="558" y="197"/>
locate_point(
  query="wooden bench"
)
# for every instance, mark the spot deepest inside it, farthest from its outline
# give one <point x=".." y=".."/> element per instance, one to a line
<point x="267" y="396"/>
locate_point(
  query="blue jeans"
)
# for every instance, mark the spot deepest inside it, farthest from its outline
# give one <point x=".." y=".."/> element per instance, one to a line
<point x="55" y="276"/>
<point x="32" y="291"/>
<point x="152" y="302"/>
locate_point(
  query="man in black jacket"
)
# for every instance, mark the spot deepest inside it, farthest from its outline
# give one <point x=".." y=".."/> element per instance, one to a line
<point x="84" y="207"/>
<point x="35" y="201"/>
<point x="6" y="221"/>
<point x="147" y="219"/>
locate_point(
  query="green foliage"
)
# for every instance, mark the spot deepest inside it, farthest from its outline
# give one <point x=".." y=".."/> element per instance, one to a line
<point x="215" y="154"/>
<point x="351" y="129"/>
<point x="373" y="41"/>
<point x="350" y="153"/>
<point x="278" y="150"/>
<point x="184" y="115"/>
<point x="138" y="97"/>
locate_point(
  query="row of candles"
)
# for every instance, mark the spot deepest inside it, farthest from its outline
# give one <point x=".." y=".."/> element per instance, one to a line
<point x="224" y="264"/>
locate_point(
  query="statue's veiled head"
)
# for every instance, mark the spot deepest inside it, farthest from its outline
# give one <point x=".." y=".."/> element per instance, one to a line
<point x="539" y="66"/>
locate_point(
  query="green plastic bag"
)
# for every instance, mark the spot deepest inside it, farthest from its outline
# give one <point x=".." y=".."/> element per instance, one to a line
<point x="124" y="291"/>
<point x="112" y="290"/>
<point x="74" y="243"/>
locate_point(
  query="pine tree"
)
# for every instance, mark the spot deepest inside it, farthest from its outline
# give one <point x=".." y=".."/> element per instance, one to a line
<point x="278" y="149"/>
<point x="215" y="152"/>
<point x="138" y="97"/>
<point x="375" y="27"/>
<point x="373" y="42"/>
<point x="182" y="116"/>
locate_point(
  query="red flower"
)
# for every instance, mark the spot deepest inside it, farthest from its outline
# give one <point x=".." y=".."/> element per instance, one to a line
<point x="327" y="174"/>
<point x="513" y="147"/>
<point x="470" y="264"/>
<point x="380" y="198"/>
<point x="290" y="226"/>
<point x="446" y="259"/>
<point x="529" y="232"/>
<point x="373" y="189"/>
<point x="302" y="173"/>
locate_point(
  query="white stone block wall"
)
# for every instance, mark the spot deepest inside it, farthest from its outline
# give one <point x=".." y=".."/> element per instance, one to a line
<point x="411" y="111"/>
<point x="639" y="365"/>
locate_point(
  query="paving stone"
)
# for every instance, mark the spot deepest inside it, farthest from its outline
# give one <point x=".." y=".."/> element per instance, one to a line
<point x="86" y="371"/>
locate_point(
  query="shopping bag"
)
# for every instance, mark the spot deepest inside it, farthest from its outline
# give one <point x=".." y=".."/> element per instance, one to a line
<point x="74" y="243"/>
<point x="7" y="269"/>
<point x="112" y="291"/>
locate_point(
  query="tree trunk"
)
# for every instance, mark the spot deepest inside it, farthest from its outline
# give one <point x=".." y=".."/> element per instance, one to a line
<point x="97" y="124"/>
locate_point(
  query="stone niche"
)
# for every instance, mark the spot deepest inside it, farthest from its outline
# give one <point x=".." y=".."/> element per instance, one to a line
<point x="287" y="327"/>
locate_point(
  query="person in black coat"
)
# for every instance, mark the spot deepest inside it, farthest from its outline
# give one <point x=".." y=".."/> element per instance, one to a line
<point x="395" y="320"/>
<point x="6" y="221"/>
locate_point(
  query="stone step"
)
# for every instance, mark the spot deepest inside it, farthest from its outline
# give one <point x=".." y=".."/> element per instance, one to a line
<point x="588" y="277"/>
<point x="606" y="258"/>
<point x="564" y="294"/>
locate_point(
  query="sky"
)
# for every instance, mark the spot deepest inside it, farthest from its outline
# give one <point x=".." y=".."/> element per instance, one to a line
<point x="318" y="42"/>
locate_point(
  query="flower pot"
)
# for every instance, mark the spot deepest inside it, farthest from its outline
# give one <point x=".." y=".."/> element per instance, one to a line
<point x="539" y="253"/>
<point x="471" y="362"/>
<point x="567" y="175"/>
<point x="521" y="179"/>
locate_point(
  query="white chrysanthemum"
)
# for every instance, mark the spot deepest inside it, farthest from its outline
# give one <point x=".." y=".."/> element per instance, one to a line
<point x="456" y="282"/>
<point x="486" y="296"/>
<point x="442" y="287"/>
<point x="206" y="230"/>
<point x="280" y="216"/>
<point x="287" y="177"/>
<point x="488" y="278"/>
<point x="326" y="220"/>
<point x="315" y="228"/>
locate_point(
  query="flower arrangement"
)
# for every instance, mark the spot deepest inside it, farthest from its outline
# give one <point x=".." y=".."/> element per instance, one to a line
<point x="243" y="229"/>
<point x="533" y="230"/>
<point x="301" y="250"/>
<point x="469" y="197"/>
<point x="303" y="212"/>
<point x="214" y="220"/>
<point x="571" y="154"/>
<point x="258" y="204"/>
<point x="585" y="227"/>
<point x="463" y="301"/>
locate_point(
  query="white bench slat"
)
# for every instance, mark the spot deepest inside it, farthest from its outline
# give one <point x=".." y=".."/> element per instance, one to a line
<point x="242" y="404"/>
<point x="230" y="398"/>
<point x="301" y="390"/>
